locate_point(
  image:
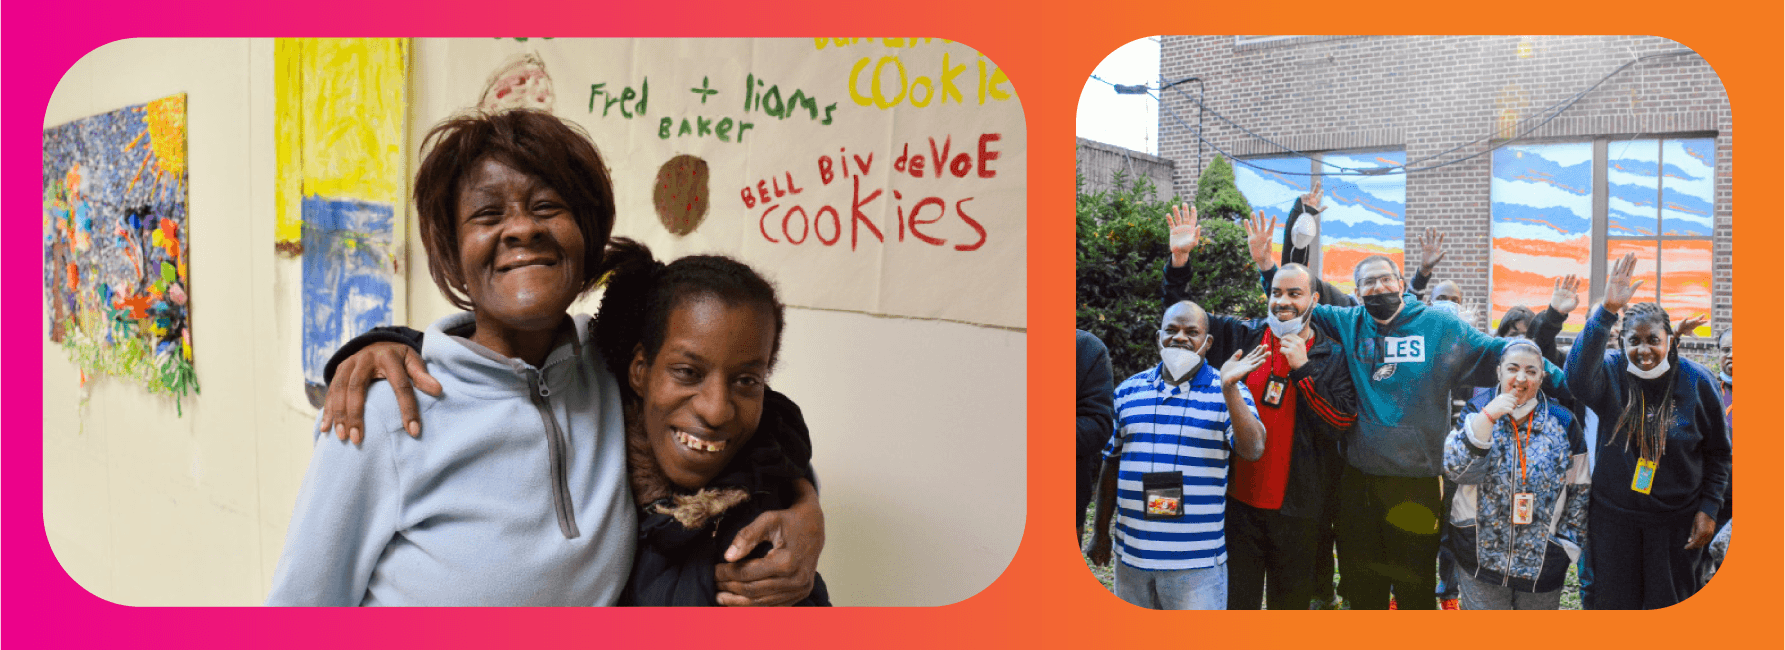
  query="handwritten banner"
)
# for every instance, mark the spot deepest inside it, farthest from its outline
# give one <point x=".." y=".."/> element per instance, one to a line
<point x="877" y="175"/>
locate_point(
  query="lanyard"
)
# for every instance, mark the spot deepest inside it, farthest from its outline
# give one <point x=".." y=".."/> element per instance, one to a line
<point x="1521" y="437"/>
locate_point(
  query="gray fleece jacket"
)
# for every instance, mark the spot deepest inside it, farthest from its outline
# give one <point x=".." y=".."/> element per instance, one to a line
<point x="517" y="496"/>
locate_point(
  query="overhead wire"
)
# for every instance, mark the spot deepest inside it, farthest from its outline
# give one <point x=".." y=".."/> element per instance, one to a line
<point x="1548" y="114"/>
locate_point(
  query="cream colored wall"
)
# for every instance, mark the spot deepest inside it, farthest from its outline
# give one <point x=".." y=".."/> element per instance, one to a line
<point x="142" y="506"/>
<point x="919" y="426"/>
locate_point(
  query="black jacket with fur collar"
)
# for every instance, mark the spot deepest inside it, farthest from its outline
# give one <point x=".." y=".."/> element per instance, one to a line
<point x="682" y="537"/>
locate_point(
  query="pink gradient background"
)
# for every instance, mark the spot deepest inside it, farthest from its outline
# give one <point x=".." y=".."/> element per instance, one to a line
<point x="1045" y="597"/>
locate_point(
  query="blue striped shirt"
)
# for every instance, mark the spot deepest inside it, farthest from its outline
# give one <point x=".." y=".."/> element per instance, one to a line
<point x="1165" y="428"/>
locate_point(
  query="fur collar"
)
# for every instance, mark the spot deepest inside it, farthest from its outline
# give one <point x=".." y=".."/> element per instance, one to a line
<point x="651" y="489"/>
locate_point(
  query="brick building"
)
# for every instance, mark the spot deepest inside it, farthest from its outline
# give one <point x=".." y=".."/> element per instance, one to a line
<point x="1618" y="151"/>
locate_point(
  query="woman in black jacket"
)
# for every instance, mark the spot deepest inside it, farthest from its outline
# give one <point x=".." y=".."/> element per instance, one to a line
<point x="1663" y="462"/>
<point x="709" y="447"/>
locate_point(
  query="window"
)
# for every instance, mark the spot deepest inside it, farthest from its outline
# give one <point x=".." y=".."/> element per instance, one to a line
<point x="1365" y="214"/>
<point x="1574" y="207"/>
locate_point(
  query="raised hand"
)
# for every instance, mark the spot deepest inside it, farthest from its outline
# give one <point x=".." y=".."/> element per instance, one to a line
<point x="1186" y="232"/>
<point x="1431" y="250"/>
<point x="1242" y="364"/>
<point x="1566" y="295"/>
<point x="1689" y="324"/>
<point x="1258" y="239"/>
<point x="1618" y="289"/>
<point x="1311" y="200"/>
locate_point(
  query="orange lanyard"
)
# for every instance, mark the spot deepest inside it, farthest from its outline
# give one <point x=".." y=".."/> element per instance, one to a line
<point x="1520" y="437"/>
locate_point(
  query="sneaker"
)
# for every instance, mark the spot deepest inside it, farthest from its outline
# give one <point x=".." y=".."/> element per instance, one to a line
<point x="1449" y="603"/>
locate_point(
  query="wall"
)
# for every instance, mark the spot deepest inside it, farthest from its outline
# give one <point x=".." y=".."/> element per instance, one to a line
<point x="1099" y="162"/>
<point x="144" y="507"/>
<point x="1428" y="94"/>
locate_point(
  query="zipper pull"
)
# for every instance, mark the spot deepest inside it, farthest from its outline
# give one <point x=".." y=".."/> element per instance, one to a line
<point x="537" y="385"/>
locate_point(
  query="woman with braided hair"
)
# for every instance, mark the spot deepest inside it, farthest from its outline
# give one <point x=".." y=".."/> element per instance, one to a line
<point x="709" y="446"/>
<point x="1663" y="459"/>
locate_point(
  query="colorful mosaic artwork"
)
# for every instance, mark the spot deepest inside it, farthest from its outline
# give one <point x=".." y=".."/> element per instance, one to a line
<point x="114" y="244"/>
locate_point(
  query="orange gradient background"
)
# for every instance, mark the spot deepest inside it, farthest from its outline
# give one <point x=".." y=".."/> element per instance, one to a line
<point x="1046" y="597"/>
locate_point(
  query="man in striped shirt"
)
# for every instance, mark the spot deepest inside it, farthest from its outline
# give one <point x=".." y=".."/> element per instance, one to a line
<point x="1165" y="469"/>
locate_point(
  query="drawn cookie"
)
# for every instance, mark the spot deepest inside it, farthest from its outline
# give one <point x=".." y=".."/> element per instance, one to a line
<point x="680" y="194"/>
<point x="520" y="83"/>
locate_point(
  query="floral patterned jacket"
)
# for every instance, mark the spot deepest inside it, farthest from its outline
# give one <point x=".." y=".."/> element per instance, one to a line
<point x="1488" y="545"/>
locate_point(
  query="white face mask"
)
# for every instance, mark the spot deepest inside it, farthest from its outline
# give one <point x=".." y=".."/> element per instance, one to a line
<point x="1305" y="229"/>
<point x="1519" y="412"/>
<point x="1283" y="328"/>
<point x="1179" y="361"/>
<point x="1657" y="371"/>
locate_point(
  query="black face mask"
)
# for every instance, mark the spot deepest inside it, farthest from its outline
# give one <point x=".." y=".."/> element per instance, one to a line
<point x="1382" y="305"/>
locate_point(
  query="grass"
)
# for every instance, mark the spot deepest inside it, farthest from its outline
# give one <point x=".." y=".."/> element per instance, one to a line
<point x="1107" y="574"/>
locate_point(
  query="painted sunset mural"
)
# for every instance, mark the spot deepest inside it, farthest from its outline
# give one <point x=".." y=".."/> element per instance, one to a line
<point x="1542" y="220"/>
<point x="1365" y="214"/>
<point x="1542" y="224"/>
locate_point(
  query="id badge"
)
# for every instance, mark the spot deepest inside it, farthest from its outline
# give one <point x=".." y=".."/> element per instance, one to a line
<point x="1645" y="476"/>
<point x="1273" y="390"/>
<point x="1163" y="493"/>
<point x="1523" y="503"/>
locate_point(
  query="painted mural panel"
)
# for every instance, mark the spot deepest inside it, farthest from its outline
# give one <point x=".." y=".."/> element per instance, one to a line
<point x="115" y="248"/>
<point x="1542" y="216"/>
<point x="1686" y="279"/>
<point x="1271" y="191"/>
<point x="1678" y="175"/>
<point x="1688" y="186"/>
<point x="1365" y="214"/>
<point x="1646" y="256"/>
<point x="342" y="111"/>
<point x="1633" y="179"/>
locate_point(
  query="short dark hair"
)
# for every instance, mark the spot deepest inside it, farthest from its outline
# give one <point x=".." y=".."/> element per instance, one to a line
<point x="1512" y="317"/>
<point x="532" y="142"/>
<point x="641" y="293"/>
<point x="1355" y="280"/>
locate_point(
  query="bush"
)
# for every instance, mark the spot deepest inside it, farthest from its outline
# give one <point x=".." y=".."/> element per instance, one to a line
<point x="1122" y="251"/>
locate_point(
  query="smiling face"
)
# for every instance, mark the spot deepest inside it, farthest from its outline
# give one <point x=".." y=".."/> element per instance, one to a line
<point x="702" y="394"/>
<point x="1646" y="342"/>
<point x="1521" y="372"/>
<point x="1291" y="294"/>
<point x="520" y="252"/>
<point x="1185" y="326"/>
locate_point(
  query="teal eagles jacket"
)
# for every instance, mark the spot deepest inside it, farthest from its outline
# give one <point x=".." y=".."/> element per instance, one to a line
<point x="1404" y="372"/>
